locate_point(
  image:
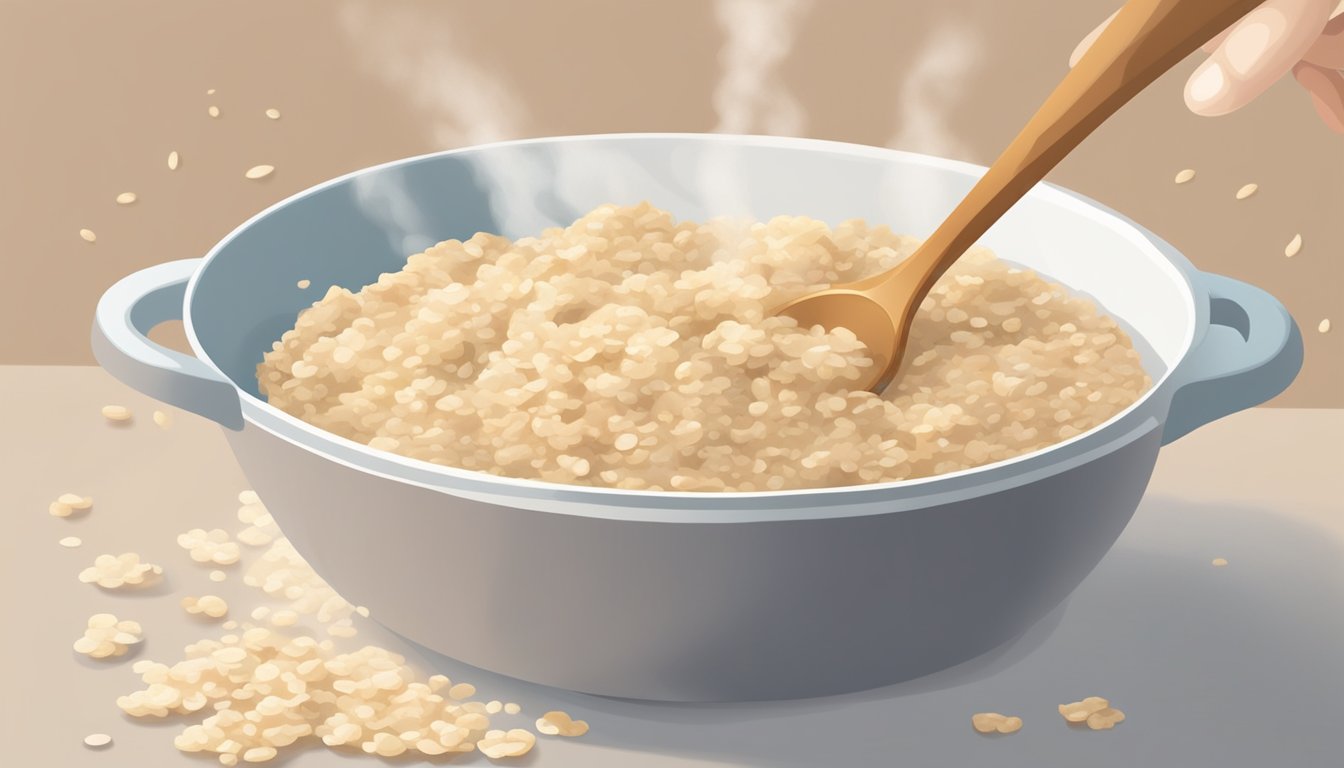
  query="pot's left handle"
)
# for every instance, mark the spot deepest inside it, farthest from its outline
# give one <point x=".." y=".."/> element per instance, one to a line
<point x="126" y="313"/>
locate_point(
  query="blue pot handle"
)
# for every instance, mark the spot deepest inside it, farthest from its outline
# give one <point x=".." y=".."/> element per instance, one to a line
<point x="1251" y="352"/>
<point x="126" y="312"/>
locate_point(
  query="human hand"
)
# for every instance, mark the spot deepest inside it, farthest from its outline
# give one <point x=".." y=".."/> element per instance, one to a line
<point x="1305" y="37"/>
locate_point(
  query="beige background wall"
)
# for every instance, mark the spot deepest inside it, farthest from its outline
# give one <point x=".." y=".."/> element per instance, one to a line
<point x="93" y="96"/>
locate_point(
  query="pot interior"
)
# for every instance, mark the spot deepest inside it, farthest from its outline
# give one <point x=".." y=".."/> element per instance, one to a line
<point x="350" y="230"/>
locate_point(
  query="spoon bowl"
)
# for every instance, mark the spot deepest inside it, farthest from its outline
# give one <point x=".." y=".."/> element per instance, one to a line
<point x="865" y="308"/>
<point x="866" y="317"/>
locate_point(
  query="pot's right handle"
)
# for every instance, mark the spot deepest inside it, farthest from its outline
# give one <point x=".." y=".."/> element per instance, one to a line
<point x="126" y="313"/>
<point x="1251" y="352"/>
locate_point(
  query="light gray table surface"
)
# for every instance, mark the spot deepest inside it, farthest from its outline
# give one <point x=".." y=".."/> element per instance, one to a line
<point x="1235" y="666"/>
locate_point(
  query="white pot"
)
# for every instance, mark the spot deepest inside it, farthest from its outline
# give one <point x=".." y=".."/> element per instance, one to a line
<point x="690" y="596"/>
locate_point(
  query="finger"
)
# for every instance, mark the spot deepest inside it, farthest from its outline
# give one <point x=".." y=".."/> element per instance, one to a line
<point x="1259" y="50"/>
<point x="1087" y="42"/>
<point x="1328" y="50"/>
<point x="1326" y="87"/>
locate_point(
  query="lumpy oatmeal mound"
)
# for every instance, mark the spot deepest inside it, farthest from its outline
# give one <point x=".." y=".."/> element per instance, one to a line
<point x="634" y="351"/>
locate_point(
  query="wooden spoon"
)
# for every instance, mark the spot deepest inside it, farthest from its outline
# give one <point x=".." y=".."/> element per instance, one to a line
<point x="1144" y="40"/>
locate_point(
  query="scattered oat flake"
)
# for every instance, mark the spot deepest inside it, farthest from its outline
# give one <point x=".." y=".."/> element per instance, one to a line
<point x="252" y="672"/>
<point x="512" y="708"/>
<point x="163" y="419"/>
<point x="259" y="754"/>
<point x="1079" y="711"/>
<point x="172" y="160"/>
<point x="993" y="722"/>
<point x="259" y="171"/>
<point x="1219" y="562"/>
<point x="88" y="235"/>
<point x="512" y="743"/>
<point x="273" y="113"/>
<point x="70" y="542"/>
<point x="304" y="283"/>
<point x="116" y="413"/>
<point x="213" y="110"/>
<point x="1185" y="175"/>
<point x="218" y="575"/>
<point x="1105" y="719"/>
<point x="68" y="503"/>
<point x="1324" y="326"/>
<point x="106" y="636"/>
<point x="557" y="723"/>
<point x="1247" y="191"/>
<point x="342" y="630"/>
<point x="213" y="606"/>
<point x="126" y="198"/>
<point x="210" y="92"/>
<point x="1293" y="246"/>
<point x="211" y="546"/>
<point x="75" y="501"/>
<point x="117" y="571"/>
<point x="97" y="740"/>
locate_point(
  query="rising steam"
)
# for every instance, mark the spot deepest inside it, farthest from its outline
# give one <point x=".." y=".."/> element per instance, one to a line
<point x="413" y="50"/>
<point x="460" y="103"/>
<point x="758" y="36"/>
<point x="931" y="88"/>
<point x="750" y="96"/>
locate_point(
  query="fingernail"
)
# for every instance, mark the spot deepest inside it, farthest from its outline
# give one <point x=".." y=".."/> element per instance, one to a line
<point x="1207" y="85"/>
<point x="1245" y="47"/>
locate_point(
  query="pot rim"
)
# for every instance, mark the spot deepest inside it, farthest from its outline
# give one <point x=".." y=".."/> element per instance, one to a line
<point x="731" y="506"/>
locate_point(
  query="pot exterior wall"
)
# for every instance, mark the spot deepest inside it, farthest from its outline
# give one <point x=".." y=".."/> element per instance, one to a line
<point x="699" y="612"/>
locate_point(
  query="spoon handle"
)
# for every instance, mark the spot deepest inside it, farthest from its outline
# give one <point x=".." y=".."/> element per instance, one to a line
<point x="1144" y="40"/>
